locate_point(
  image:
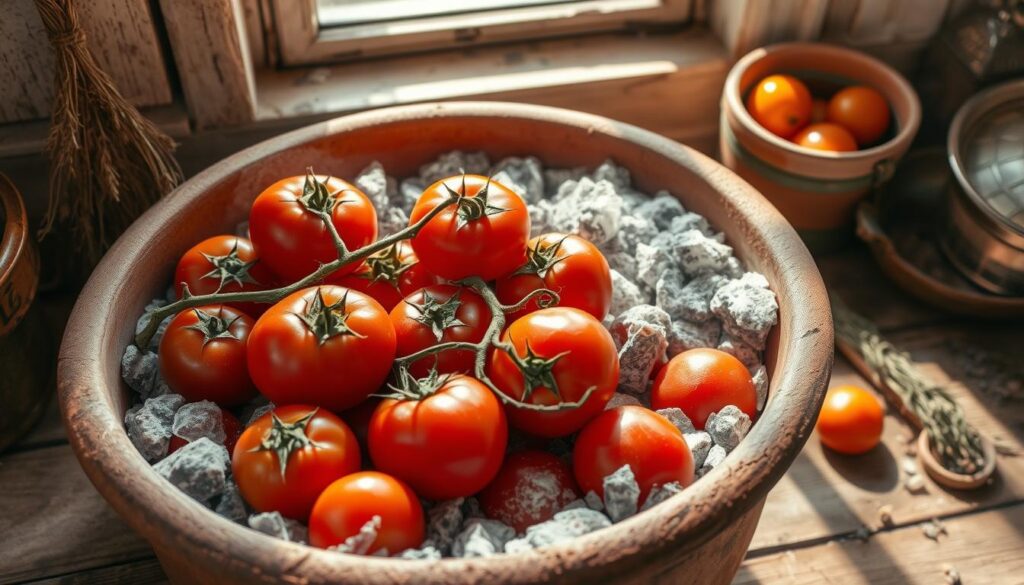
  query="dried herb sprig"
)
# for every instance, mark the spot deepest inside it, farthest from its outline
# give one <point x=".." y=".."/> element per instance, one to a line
<point x="956" y="442"/>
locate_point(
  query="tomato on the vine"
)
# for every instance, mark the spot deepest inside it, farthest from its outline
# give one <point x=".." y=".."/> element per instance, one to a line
<point x="484" y="234"/>
<point x="567" y="264"/>
<point x="780" y="103"/>
<point x="652" y="446"/>
<point x="559" y="355"/>
<point x="702" y="381"/>
<point x="288" y="456"/>
<point x="388" y="275"/>
<point x="439" y="314"/>
<point x="232" y="431"/>
<point x="529" y="489"/>
<point x="444" y="435"/>
<point x="202" y="355"/>
<point x="223" y="264"/>
<point x="352" y="501"/>
<point x="324" y="345"/>
<point x="851" y="420"/>
<point x="289" y="234"/>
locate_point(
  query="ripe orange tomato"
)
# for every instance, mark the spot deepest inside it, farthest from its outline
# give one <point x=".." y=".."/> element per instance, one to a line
<point x="439" y="314"/>
<point x="567" y="264"/>
<point x="861" y="110"/>
<point x="484" y="235"/>
<point x="352" y="501"/>
<point x="289" y="234"/>
<point x="388" y="275"/>
<point x="703" y="381"/>
<point x="318" y="448"/>
<point x="851" y="420"/>
<point x="531" y="487"/>
<point x="223" y="264"/>
<point x="826" y="136"/>
<point x="780" y="103"/>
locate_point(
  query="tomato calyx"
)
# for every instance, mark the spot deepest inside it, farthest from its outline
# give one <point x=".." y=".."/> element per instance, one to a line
<point x="286" y="438"/>
<point x="327" y="321"/>
<point x="538" y="372"/>
<point x="316" y="197"/>
<point x="213" y="326"/>
<point x="541" y="258"/>
<point x="439" y="316"/>
<point x="409" y="387"/>
<point x="229" y="268"/>
<point x="386" y="265"/>
<point x="469" y="209"/>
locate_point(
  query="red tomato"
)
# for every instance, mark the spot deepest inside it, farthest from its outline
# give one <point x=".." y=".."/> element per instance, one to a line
<point x="703" y="381"/>
<point x="439" y="314"/>
<point x="530" y="488"/>
<point x="388" y="275"/>
<point x="826" y="136"/>
<point x="566" y="352"/>
<point x="324" y="345"/>
<point x="223" y="264"/>
<point x="780" y="103"/>
<point x="569" y="265"/>
<point x="232" y="430"/>
<point x="287" y="457"/>
<point x="652" y="447"/>
<point x="483" y="235"/>
<point x="352" y="501"/>
<point x="861" y="110"/>
<point x="202" y="355"/>
<point x="447" y="444"/>
<point x="287" y="230"/>
<point x="851" y="420"/>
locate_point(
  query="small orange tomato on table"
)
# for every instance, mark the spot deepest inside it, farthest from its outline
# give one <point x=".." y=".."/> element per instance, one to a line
<point x="851" y="420"/>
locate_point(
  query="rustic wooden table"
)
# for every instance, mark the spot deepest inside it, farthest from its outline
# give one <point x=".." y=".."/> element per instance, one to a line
<point x="821" y="524"/>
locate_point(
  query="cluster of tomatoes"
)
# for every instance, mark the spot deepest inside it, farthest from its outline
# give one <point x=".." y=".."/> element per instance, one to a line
<point x="360" y="431"/>
<point x="854" y="117"/>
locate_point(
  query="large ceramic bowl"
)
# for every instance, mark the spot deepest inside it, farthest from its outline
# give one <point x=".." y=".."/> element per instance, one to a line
<point x="699" y="535"/>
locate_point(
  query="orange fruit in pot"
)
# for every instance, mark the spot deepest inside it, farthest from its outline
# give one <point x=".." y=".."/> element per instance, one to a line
<point x="780" y="103"/>
<point x="861" y="110"/>
<point x="819" y="110"/>
<point x="826" y="136"/>
<point x="850" y="420"/>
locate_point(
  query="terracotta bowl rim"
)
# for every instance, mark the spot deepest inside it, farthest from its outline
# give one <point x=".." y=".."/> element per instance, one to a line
<point x="170" y="519"/>
<point x="13" y="232"/>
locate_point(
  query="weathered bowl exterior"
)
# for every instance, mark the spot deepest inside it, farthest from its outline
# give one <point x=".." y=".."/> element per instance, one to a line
<point x="698" y="536"/>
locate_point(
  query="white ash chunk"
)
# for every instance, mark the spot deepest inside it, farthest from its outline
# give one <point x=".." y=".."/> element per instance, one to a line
<point x="747" y="308"/>
<point x="633" y="231"/>
<point x="700" y="443"/>
<point x="518" y="545"/>
<point x="454" y="163"/>
<point x="715" y="458"/>
<point x="625" y="294"/>
<point x="740" y="350"/>
<point x="760" y="378"/>
<point x="391" y="220"/>
<point x="661" y="493"/>
<point x="199" y="469"/>
<point x="640" y="333"/>
<point x="143" y="320"/>
<point x="141" y="371"/>
<point x="149" y="427"/>
<point x="728" y="426"/>
<point x="426" y="552"/>
<point x="686" y="335"/>
<point x="621" y="494"/>
<point x="733" y="268"/>
<point x="692" y="302"/>
<point x="636" y="317"/>
<point x="624" y="262"/>
<point x="699" y="254"/>
<point x="269" y="523"/>
<point x="409" y="192"/>
<point x="254" y="409"/>
<point x="661" y="210"/>
<point x="692" y="221"/>
<point x="614" y="174"/>
<point x="651" y="263"/>
<point x="555" y="178"/>
<point x="482" y="538"/>
<point x="564" y="526"/>
<point x="577" y="503"/>
<point x="444" y="522"/>
<point x="632" y="199"/>
<point x="230" y="504"/>
<point x="619" y="399"/>
<point x="360" y="542"/>
<point x="523" y="175"/>
<point x="540" y="215"/>
<point x="379" y="188"/>
<point x="594" y="501"/>
<point x="196" y="420"/>
<point x="678" y="418"/>
<point x="591" y="210"/>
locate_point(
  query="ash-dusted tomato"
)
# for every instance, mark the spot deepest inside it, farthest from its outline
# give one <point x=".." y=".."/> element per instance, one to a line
<point x="202" y="355"/>
<point x="288" y="456"/>
<point x="702" y="381"/>
<point x="780" y="103"/>
<point x="352" y="501"/>
<point x="861" y="110"/>
<point x="559" y="355"/>
<point x="851" y="420"/>
<point x="324" y="345"/>
<point x="446" y="439"/>
<point x="483" y="235"/>
<point x="631" y="435"/>
<point x="223" y="264"/>
<point x="287" y="229"/>
<point x="439" y="314"/>
<point x="530" y="488"/>
<point x="232" y="431"/>
<point x="567" y="264"/>
<point x="388" y="275"/>
<point x="826" y="136"/>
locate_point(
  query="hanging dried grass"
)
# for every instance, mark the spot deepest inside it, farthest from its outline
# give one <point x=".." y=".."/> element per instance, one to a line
<point x="108" y="162"/>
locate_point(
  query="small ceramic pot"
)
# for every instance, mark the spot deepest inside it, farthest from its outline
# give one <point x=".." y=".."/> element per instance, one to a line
<point x="816" y="191"/>
<point x="950" y="479"/>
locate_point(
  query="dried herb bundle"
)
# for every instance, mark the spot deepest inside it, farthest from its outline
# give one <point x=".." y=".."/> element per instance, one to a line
<point x="108" y="162"/>
<point x="956" y="443"/>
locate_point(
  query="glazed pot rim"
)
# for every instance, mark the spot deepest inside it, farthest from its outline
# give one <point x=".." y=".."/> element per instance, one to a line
<point x="172" y="519"/>
<point x="907" y="130"/>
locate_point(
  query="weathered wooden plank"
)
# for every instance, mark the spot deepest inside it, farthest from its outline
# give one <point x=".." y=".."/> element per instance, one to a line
<point x="984" y="548"/>
<point x="141" y="572"/>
